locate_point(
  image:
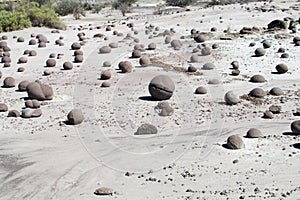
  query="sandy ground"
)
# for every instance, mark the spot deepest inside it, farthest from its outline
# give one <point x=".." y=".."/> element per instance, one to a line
<point x="44" y="158"/>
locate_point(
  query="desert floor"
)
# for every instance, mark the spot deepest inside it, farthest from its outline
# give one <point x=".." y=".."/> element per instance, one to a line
<point x="45" y="158"/>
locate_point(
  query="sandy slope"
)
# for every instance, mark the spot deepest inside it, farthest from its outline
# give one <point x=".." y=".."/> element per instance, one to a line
<point x="44" y="158"/>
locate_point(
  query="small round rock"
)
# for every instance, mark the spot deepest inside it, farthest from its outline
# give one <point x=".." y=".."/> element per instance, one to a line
<point x="235" y="142"/>
<point x="254" y="133"/>
<point x="258" y="93"/>
<point x="281" y="68"/>
<point x="295" y="127"/>
<point x="75" y="116"/>
<point x="201" y="90"/>
<point x="231" y="98"/>
<point x="276" y="91"/>
<point x="67" y="65"/>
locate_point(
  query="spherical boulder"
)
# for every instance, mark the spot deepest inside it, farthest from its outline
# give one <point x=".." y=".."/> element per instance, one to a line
<point x="276" y="91"/>
<point x="295" y="127"/>
<point x="257" y="78"/>
<point x="75" y="117"/>
<point x="281" y="68"/>
<point x="78" y="52"/>
<point x="105" y="75"/>
<point x="161" y="87"/>
<point x="67" y="65"/>
<point x="105" y="49"/>
<point x="284" y="55"/>
<point x="201" y="90"/>
<point x="259" y="52"/>
<point x="22" y="60"/>
<point x="32" y="53"/>
<point x="254" y="133"/>
<point x="136" y="53"/>
<point x="144" y="60"/>
<point x="42" y="45"/>
<point x="75" y="46"/>
<point x="39" y="91"/>
<point x="257" y="92"/>
<point x="23" y="85"/>
<point x="78" y="59"/>
<point x="32" y="42"/>
<point x="235" y="142"/>
<point x="146" y="129"/>
<point x="50" y="62"/>
<point x="231" y="98"/>
<point x="125" y="66"/>
<point x="9" y="82"/>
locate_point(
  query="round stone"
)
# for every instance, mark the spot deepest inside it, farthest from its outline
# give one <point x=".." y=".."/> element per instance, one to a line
<point x="258" y="93"/>
<point x="208" y="66"/>
<point x="259" y="52"/>
<point x="161" y="87"/>
<point x="231" y="98"/>
<point x="295" y="127"/>
<point x="257" y="79"/>
<point x="75" y="117"/>
<point x="276" y="91"/>
<point x="235" y="142"/>
<point x="254" y="133"/>
<point x="201" y="90"/>
<point x="281" y="68"/>
<point x="67" y="65"/>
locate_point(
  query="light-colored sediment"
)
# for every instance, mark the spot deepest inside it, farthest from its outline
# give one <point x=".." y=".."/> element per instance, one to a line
<point x="45" y="158"/>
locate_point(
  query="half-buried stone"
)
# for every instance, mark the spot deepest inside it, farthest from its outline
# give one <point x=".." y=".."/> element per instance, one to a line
<point x="254" y="133"/>
<point x="259" y="52"/>
<point x="257" y="78"/>
<point x="208" y="66"/>
<point x="104" y="50"/>
<point x="13" y="113"/>
<point x="276" y="91"/>
<point x="258" y="93"/>
<point x="146" y="129"/>
<point x="161" y="87"/>
<point x="235" y="142"/>
<point x="78" y="59"/>
<point x="201" y="90"/>
<point x="9" y="82"/>
<point x="192" y="69"/>
<point x="105" y="75"/>
<point x="75" y="117"/>
<point x="295" y="127"/>
<point x="75" y="46"/>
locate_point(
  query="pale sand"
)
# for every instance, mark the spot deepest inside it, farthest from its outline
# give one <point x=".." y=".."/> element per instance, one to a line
<point x="43" y="158"/>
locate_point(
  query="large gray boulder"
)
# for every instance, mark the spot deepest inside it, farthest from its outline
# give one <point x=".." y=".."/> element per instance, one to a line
<point x="161" y="87"/>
